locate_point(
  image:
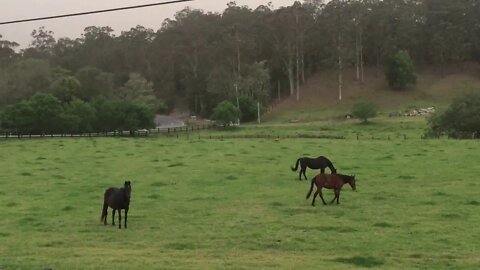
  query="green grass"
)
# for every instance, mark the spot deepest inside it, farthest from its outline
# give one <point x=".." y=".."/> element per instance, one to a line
<point x="235" y="204"/>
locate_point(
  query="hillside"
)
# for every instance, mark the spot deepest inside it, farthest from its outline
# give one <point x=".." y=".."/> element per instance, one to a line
<point x="319" y="95"/>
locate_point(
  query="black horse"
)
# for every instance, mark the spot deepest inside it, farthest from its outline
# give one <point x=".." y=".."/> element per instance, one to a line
<point x="320" y="162"/>
<point x="117" y="199"/>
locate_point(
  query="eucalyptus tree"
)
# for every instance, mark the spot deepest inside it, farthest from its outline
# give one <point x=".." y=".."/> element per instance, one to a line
<point x="24" y="78"/>
<point x="196" y="35"/>
<point x="7" y="52"/>
<point x="42" y="44"/>
<point x="282" y="27"/>
<point x="336" y="22"/>
<point x="447" y="31"/>
<point x="135" y="45"/>
<point x="93" y="82"/>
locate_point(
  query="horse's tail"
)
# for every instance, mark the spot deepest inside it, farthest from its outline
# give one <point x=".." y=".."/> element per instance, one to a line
<point x="104" y="211"/>
<point x="311" y="187"/>
<point x="296" y="165"/>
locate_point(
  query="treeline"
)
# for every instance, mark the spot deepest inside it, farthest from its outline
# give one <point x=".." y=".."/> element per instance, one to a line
<point x="262" y="53"/>
<point x="45" y="114"/>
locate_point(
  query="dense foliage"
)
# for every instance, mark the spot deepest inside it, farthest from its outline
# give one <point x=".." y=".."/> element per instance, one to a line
<point x="364" y="111"/>
<point x="45" y="114"/>
<point x="225" y="113"/>
<point x="400" y="71"/>
<point x="204" y="58"/>
<point x="460" y="120"/>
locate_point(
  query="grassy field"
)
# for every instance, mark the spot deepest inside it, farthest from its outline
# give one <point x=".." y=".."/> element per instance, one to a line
<point x="235" y="204"/>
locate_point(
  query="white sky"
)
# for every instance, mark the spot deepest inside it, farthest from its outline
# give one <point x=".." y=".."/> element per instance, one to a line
<point x="150" y="17"/>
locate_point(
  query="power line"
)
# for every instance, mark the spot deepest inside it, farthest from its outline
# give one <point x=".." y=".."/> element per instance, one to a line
<point x="94" y="12"/>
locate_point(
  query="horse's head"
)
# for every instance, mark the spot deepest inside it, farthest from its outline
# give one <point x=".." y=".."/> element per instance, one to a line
<point x="352" y="182"/>
<point x="128" y="189"/>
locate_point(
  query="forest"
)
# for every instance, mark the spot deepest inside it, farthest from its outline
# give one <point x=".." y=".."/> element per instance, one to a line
<point x="199" y="59"/>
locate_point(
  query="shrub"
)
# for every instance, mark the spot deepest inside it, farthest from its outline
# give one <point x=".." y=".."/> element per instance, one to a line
<point x="225" y="113"/>
<point x="364" y="110"/>
<point x="460" y="120"/>
<point x="400" y="71"/>
<point x="248" y="109"/>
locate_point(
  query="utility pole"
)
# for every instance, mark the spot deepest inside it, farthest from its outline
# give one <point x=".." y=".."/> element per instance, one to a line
<point x="238" y="104"/>
<point x="258" y="110"/>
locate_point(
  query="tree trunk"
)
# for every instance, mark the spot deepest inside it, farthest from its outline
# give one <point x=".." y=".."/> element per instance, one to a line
<point x="238" y="54"/>
<point x="279" y="97"/>
<point x="302" y="60"/>
<point x="340" y="77"/>
<point x="298" y="74"/>
<point x="297" y="57"/>
<point x="357" y="55"/>
<point x="291" y="79"/>
<point x="289" y="67"/>
<point x="362" y="77"/>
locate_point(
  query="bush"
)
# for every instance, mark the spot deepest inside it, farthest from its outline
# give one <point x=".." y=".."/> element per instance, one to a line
<point x="460" y="120"/>
<point x="45" y="114"/>
<point x="79" y="117"/>
<point x="364" y="110"/>
<point x="248" y="109"/>
<point x="225" y="113"/>
<point x="400" y="71"/>
<point x="18" y="117"/>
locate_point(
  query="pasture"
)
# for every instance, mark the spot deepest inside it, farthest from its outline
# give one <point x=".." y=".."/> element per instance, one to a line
<point x="235" y="204"/>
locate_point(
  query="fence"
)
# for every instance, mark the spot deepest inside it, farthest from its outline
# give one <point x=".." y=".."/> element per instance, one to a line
<point x="188" y="131"/>
<point x="136" y="133"/>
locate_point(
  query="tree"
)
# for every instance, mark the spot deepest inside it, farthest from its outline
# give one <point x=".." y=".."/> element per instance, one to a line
<point x="137" y="89"/>
<point x="400" y="71"/>
<point x="248" y="109"/>
<point x="364" y="111"/>
<point x="7" y="52"/>
<point x="225" y="113"/>
<point x="114" y="114"/>
<point x="17" y="117"/>
<point x="47" y="111"/>
<point x="24" y="78"/>
<point x="136" y="116"/>
<point x="42" y="44"/>
<point x="65" y="87"/>
<point x="460" y="120"/>
<point x="78" y="117"/>
<point x="93" y="82"/>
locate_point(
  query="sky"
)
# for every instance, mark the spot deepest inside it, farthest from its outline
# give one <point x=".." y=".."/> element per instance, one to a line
<point x="72" y="27"/>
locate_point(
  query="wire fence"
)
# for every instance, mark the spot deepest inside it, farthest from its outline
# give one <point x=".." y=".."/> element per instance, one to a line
<point x="193" y="132"/>
<point x="171" y="131"/>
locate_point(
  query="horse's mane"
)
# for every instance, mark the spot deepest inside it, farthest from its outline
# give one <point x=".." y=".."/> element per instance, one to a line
<point x="346" y="178"/>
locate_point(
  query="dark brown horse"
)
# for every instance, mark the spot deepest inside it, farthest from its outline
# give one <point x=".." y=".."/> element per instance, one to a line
<point x="117" y="199"/>
<point x="330" y="181"/>
<point x="320" y="162"/>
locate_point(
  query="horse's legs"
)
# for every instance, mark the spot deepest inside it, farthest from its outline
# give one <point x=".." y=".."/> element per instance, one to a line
<point x="314" y="196"/>
<point x="338" y="197"/>
<point x="119" y="218"/>
<point x="322" y="170"/>
<point x="126" y="212"/>
<point x="303" y="168"/>
<point x="113" y="217"/>
<point x="105" y="217"/>
<point x="321" y="196"/>
<point x="335" y="191"/>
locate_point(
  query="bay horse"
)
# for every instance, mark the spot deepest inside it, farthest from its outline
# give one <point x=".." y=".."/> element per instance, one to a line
<point x="330" y="181"/>
<point x="320" y="162"/>
<point x="117" y="199"/>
